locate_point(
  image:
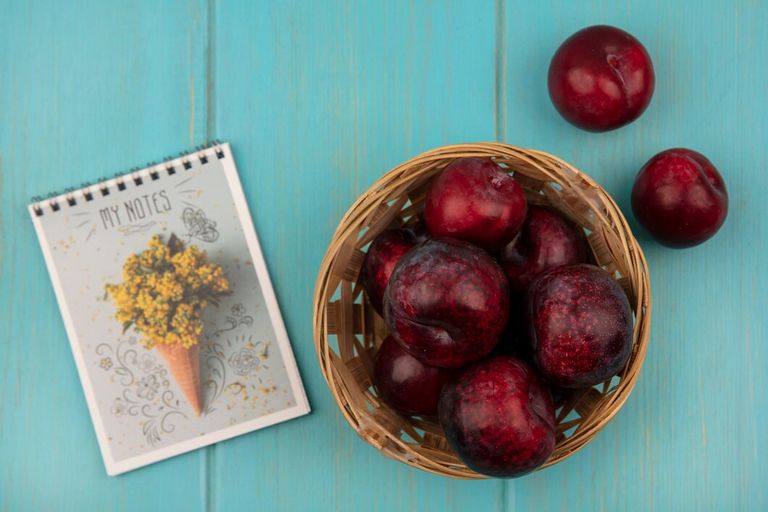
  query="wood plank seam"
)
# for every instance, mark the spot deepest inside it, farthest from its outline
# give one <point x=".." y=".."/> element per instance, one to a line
<point x="500" y="122"/>
<point x="208" y="458"/>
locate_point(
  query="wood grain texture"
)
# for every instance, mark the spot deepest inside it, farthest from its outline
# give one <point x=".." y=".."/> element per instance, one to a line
<point x="86" y="89"/>
<point x="318" y="99"/>
<point x="692" y="436"/>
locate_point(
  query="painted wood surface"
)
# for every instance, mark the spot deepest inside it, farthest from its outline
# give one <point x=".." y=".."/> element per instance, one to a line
<point x="318" y="100"/>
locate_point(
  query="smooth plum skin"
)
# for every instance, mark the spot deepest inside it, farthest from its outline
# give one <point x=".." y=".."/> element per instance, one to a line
<point x="405" y="383"/>
<point x="547" y="240"/>
<point x="580" y="325"/>
<point x="680" y="198"/>
<point x="380" y="261"/>
<point x="475" y="200"/>
<point x="601" y="78"/>
<point x="499" y="418"/>
<point x="447" y="302"/>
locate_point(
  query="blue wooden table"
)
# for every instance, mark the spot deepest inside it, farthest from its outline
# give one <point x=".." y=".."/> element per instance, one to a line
<point x="319" y="99"/>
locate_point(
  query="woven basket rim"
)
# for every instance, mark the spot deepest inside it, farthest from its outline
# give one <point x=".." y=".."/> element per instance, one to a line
<point x="364" y="207"/>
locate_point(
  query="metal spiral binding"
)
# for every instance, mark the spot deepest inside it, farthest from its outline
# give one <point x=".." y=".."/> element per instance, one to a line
<point x="122" y="178"/>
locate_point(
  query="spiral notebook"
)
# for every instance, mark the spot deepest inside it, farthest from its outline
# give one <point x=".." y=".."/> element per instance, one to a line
<point x="147" y="263"/>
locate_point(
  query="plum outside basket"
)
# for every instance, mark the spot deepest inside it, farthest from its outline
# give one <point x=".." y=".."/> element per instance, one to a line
<point x="347" y="330"/>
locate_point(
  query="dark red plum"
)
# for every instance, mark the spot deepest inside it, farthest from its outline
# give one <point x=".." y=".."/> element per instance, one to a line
<point x="601" y="78"/>
<point x="580" y="325"/>
<point x="475" y="200"/>
<point x="499" y="418"/>
<point x="380" y="260"/>
<point x="680" y="198"/>
<point x="405" y="383"/>
<point x="447" y="302"/>
<point x="547" y="240"/>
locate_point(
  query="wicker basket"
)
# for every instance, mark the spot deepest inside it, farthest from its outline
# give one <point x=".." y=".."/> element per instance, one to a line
<point x="347" y="330"/>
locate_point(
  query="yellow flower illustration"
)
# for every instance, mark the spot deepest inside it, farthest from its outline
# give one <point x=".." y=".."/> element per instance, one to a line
<point x="164" y="291"/>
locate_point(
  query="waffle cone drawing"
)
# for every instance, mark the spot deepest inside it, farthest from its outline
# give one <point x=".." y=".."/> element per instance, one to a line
<point x="184" y="365"/>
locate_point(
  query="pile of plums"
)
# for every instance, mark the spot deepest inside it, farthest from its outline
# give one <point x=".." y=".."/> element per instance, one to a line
<point x="492" y="305"/>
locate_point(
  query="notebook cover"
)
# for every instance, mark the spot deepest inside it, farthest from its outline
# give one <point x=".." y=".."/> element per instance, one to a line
<point x="248" y="377"/>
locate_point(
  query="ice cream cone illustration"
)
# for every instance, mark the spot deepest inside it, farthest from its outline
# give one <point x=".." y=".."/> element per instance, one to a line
<point x="184" y="365"/>
<point x="164" y="291"/>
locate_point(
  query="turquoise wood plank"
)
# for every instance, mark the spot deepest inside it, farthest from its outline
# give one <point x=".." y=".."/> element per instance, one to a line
<point x="692" y="436"/>
<point x="318" y="100"/>
<point x="86" y="89"/>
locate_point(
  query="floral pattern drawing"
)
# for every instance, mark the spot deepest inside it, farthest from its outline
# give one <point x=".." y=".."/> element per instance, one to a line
<point x="148" y="387"/>
<point x="198" y="225"/>
<point x="146" y="396"/>
<point x="147" y="363"/>
<point x="231" y="364"/>
<point x="244" y="361"/>
<point x="229" y="361"/>
<point x="237" y="318"/>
